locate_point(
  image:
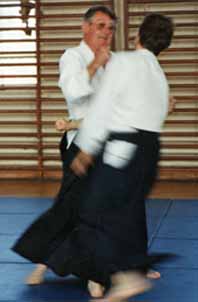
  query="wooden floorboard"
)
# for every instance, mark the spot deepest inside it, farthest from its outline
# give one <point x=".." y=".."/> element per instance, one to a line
<point x="31" y="188"/>
<point x="162" y="189"/>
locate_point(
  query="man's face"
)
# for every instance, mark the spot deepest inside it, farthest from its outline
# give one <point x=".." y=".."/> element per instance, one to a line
<point x="98" y="32"/>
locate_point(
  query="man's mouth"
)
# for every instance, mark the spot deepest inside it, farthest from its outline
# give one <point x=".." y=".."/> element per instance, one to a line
<point x="104" y="38"/>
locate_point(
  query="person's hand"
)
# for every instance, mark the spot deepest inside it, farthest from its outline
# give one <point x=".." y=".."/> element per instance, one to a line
<point x="102" y="56"/>
<point x="64" y="125"/>
<point x="172" y="103"/>
<point x="61" y="124"/>
<point x="81" y="163"/>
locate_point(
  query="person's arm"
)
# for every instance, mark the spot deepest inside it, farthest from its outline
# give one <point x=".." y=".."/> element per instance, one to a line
<point x="95" y="127"/>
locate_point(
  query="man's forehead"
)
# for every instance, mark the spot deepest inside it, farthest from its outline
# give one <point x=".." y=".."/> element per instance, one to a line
<point x="101" y="17"/>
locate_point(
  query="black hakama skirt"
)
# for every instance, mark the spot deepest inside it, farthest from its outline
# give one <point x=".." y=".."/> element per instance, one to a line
<point x="110" y="232"/>
<point x="99" y="226"/>
<point x="47" y="232"/>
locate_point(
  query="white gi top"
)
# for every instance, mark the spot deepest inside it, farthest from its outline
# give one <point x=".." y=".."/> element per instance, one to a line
<point x="133" y="94"/>
<point x="75" y="82"/>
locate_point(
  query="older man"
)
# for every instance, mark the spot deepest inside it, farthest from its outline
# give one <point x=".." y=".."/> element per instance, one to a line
<point x="81" y="70"/>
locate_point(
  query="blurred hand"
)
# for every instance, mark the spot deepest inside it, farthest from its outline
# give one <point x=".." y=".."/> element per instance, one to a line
<point x="61" y="124"/>
<point x="81" y="163"/>
<point x="172" y="103"/>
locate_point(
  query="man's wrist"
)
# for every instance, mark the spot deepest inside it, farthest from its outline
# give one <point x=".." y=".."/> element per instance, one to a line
<point x="75" y="124"/>
<point x="92" y="68"/>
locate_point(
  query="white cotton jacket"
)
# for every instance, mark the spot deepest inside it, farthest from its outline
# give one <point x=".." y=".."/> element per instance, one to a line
<point x="133" y="93"/>
<point x="75" y="83"/>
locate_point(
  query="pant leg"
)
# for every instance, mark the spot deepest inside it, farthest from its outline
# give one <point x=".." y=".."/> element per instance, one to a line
<point x="47" y="232"/>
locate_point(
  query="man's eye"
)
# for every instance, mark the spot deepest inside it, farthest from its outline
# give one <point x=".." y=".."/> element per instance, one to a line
<point x="101" y="25"/>
<point x="112" y="28"/>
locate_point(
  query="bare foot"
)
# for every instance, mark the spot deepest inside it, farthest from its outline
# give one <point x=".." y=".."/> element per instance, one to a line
<point x="126" y="285"/>
<point x="37" y="275"/>
<point x="96" y="290"/>
<point x="153" y="274"/>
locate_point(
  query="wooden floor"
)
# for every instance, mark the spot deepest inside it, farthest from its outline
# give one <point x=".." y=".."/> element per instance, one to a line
<point x="162" y="189"/>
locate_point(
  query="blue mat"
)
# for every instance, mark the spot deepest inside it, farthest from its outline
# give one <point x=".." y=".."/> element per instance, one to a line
<point x="12" y="287"/>
<point x="11" y="224"/>
<point x="175" y="285"/>
<point x="23" y="205"/>
<point x="187" y="251"/>
<point x="6" y="255"/>
<point x="172" y="227"/>
<point x="177" y="228"/>
<point x="184" y="208"/>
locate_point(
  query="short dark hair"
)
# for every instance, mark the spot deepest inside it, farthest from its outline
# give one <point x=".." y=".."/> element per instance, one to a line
<point x="155" y="32"/>
<point x="99" y="8"/>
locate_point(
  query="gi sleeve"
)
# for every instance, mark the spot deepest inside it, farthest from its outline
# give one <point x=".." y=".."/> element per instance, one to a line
<point x="74" y="78"/>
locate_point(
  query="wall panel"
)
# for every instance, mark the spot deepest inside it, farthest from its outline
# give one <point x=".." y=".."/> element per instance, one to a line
<point x="179" y="154"/>
<point x="30" y="100"/>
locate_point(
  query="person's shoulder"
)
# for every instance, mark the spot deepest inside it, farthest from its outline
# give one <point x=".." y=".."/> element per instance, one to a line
<point x="124" y="57"/>
<point x="119" y="61"/>
<point x="71" y="52"/>
<point x="126" y="54"/>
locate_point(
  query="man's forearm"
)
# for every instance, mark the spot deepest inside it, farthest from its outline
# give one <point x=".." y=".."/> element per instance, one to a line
<point x="75" y="124"/>
<point x="92" y="68"/>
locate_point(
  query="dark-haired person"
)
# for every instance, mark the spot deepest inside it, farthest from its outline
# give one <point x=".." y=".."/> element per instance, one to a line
<point x="120" y="136"/>
<point x="81" y="70"/>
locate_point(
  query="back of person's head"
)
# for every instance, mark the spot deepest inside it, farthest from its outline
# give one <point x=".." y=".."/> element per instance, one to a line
<point x="156" y="32"/>
<point x="99" y="8"/>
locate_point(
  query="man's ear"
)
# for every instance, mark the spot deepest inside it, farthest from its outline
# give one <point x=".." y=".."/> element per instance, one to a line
<point x="137" y="39"/>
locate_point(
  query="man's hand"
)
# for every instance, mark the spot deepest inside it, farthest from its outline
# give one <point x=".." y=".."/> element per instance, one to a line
<point x="172" y="103"/>
<point x="61" y="124"/>
<point x="102" y="56"/>
<point x="81" y="163"/>
<point x="64" y="125"/>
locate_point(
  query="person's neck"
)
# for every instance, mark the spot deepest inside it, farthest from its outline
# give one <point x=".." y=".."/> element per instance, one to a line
<point x="139" y="46"/>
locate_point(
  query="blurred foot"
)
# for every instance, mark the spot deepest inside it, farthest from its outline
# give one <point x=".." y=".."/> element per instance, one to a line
<point x="96" y="290"/>
<point x="126" y="285"/>
<point x="153" y="275"/>
<point x="37" y="275"/>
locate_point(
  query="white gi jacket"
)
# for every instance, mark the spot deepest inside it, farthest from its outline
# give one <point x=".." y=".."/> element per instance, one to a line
<point x="75" y="82"/>
<point x="133" y="93"/>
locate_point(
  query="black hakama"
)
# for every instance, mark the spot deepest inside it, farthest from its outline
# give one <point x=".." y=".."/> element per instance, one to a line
<point x="40" y="239"/>
<point x="111" y="235"/>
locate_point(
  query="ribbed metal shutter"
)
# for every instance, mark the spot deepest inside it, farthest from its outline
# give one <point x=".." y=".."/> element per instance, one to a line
<point x="179" y="154"/>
